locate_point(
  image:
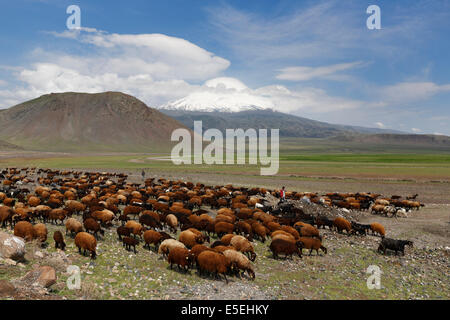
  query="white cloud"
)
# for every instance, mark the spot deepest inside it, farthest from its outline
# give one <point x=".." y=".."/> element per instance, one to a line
<point x="300" y="73"/>
<point x="380" y="125"/>
<point x="412" y="91"/>
<point x="415" y="130"/>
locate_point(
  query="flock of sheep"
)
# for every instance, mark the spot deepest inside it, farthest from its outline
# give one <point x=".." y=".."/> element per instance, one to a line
<point x="154" y="212"/>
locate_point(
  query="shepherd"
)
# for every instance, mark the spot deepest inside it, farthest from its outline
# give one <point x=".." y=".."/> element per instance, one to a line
<point x="143" y="174"/>
<point x="282" y="194"/>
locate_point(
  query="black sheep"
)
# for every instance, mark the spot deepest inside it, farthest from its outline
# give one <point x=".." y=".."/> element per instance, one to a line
<point x="395" y="245"/>
<point x="123" y="231"/>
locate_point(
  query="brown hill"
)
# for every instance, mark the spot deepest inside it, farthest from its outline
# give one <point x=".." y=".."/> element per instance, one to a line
<point x="109" y="121"/>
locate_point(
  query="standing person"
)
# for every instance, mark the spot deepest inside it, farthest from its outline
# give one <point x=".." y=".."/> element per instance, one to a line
<point x="282" y="194"/>
<point x="143" y="174"/>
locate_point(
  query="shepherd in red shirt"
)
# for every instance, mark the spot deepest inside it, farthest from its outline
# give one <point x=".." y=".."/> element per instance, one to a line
<point x="282" y="195"/>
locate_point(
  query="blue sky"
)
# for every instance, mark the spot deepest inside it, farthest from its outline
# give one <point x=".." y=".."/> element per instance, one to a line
<point x="315" y="59"/>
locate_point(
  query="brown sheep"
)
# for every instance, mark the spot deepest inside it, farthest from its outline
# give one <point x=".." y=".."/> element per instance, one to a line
<point x="225" y="218"/>
<point x="377" y="228"/>
<point x="190" y="239"/>
<point x="342" y="224"/>
<point x="92" y="225"/>
<point x="6" y="214"/>
<point x="183" y="258"/>
<point x="312" y="244"/>
<point x="273" y="226"/>
<point x="34" y="201"/>
<point x="222" y="228"/>
<point x="25" y="230"/>
<point x="57" y="214"/>
<point x="73" y="226"/>
<point x="288" y="248"/>
<point x="291" y="230"/>
<point x="213" y="262"/>
<point x="240" y="262"/>
<point x="172" y="222"/>
<point x="86" y="241"/>
<point x="136" y="228"/>
<point x="307" y="230"/>
<point x="153" y="237"/>
<point x="242" y="244"/>
<point x="40" y="232"/>
<point x="259" y="231"/>
<point x="59" y="240"/>
<point x="226" y="239"/>
<point x="197" y="249"/>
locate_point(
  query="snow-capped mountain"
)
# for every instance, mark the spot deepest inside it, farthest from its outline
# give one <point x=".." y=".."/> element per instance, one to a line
<point x="221" y="95"/>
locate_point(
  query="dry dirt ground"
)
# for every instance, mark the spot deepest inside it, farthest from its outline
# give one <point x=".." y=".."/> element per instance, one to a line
<point x="423" y="273"/>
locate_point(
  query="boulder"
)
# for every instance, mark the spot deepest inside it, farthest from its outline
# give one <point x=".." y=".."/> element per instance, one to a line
<point x="11" y="247"/>
<point x="43" y="276"/>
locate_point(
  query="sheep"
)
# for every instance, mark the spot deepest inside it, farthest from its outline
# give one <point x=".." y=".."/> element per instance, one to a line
<point x="168" y="244"/>
<point x="86" y="241"/>
<point x="172" y="222"/>
<point x="57" y="214"/>
<point x="243" y="245"/>
<point x="221" y="228"/>
<point x="40" y="232"/>
<point x="190" y="239"/>
<point x="73" y="226"/>
<point x="360" y="228"/>
<point x="342" y="224"/>
<point x="377" y="228"/>
<point x="244" y="228"/>
<point x="259" y="231"/>
<point x="152" y="237"/>
<point x="222" y="248"/>
<point x="59" y="240"/>
<point x="33" y="201"/>
<point x="226" y="239"/>
<point x="291" y="230"/>
<point x="25" y="230"/>
<point x="135" y="227"/>
<point x="183" y="258"/>
<point x="6" y="214"/>
<point x="197" y="249"/>
<point x="74" y="206"/>
<point x="150" y="221"/>
<point x="323" y="222"/>
<point x="129" y="242"/>
<point x="312" y="243"/>
<point x="240" y="262"/>
<point x="105" y="216"/>
<point x="307" y="230"/>
<point x="288" y="248"/>
<point x="395" y="245"/>
<point x="92" y="225"/>
<point x="213" y="262"/>
<point x="122" y="231"/>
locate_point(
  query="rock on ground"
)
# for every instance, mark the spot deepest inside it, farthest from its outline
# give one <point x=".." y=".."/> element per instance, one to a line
<point x="11" y="247"/>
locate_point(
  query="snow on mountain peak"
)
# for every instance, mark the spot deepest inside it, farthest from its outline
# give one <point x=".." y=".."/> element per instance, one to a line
<point x="221" y="94"/>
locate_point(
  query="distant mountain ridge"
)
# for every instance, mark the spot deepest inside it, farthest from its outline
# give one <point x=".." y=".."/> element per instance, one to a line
<point x="289" y="125"/>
